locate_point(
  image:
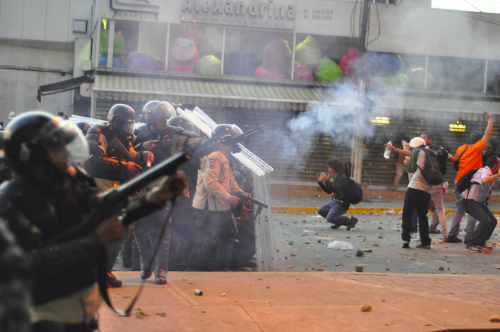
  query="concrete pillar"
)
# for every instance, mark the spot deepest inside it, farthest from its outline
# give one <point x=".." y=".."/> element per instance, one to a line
<point x="358" y="137"/>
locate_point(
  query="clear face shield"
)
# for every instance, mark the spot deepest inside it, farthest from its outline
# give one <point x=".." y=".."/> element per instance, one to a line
<point x="63" y="141"/>
<point x="129" y="128"/>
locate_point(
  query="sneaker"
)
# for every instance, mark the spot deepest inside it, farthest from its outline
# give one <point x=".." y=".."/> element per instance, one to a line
<point x="334" y="226"/>
<point x="434" y="231"/>
<point x="353" y="222"/>
<point x="420" y="246"/>
<point x="453" y="239"/>
<point x="474" y="249"/>
<point x="406" y="245"/>
<point x="112" y="281"/>
<point x="485" y="247"/>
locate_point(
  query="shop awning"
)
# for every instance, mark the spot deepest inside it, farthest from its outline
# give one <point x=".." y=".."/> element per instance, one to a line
<point x="434" y="107"/>
<point x="213" y="93"/>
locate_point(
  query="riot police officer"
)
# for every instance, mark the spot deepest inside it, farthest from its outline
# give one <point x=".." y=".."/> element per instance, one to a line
<point x="213" y="202"/>
<point x="113" y="160"/>
<point x="153" y="137"/>
<point x="184" y="230"/>
<point x="49" y="196"/>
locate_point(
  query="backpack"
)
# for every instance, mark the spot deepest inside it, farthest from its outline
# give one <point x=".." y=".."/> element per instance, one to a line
<point x="354" y="193"/>
<point x="442" y="157"/>
<point x="465" y="181"/>
<point x="431" y="171"/>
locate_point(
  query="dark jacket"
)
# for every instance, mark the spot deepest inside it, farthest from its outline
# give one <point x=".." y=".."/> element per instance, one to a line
<point x="15" y="284"/>
<point x="338" y="186"/>
<point x="105" y="161"/>
<point x="36" y="213"/>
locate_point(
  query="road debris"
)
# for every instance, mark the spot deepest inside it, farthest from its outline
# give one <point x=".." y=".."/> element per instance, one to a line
<point x="359" y="268"/>
<point x="360" y="253"/>
<point x="367" y="307"/>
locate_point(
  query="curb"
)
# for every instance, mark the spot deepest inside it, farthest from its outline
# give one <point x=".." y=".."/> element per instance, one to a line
<point x="354" y="210"/>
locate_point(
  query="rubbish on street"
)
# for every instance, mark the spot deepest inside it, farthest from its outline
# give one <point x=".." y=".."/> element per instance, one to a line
<point x="308" y="232"/>
<point x="198" y="292"/>
<point x="340" y="245"/>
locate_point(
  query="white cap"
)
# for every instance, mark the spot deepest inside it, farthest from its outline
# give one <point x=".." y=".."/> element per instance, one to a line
<point x="416" y="142"/>
<point x="12" y="115"/>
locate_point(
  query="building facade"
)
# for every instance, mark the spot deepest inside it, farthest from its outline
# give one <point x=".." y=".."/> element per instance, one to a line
<point x="271" y="62"/>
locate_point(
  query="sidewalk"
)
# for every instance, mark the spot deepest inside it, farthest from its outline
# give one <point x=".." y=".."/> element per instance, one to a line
<point x="367" y="205"/>
<point x="306" y="301"/>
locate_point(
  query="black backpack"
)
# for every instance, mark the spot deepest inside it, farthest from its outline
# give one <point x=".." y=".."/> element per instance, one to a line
<point x="431" y="171"/>
<point x="354" y="193"/>
<point x="465" y="181"/>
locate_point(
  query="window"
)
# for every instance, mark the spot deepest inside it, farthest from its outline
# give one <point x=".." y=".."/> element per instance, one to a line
<point x="414" y="67"/>
<point x="258" y="53"/>
<point x="136" y="45"/>
<point x="456" y="74"/>
<point x="493" y="80"/>
<point x="195" y="49"/>
<point x="318" y="57"/>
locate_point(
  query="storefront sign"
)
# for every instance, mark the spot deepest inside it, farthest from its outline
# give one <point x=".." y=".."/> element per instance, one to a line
<point x="265" y="14"/>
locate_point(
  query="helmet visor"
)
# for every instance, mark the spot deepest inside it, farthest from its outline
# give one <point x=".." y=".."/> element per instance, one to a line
<point x="64" y="141"/>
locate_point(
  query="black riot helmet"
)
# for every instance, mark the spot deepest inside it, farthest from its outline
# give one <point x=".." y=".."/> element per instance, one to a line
<point x="121" y="114"/>
<point x="180" y="121"/>
<point x="84" y="127"/>
<point x="246" y="172"/>
<point x="33" y="136"/>
<point x="223" y="130"/>
<point x="156" y="109"/>
<point x="122" y="118"/>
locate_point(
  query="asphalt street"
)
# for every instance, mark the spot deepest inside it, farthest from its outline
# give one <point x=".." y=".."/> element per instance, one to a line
<point x="299" y="252"/>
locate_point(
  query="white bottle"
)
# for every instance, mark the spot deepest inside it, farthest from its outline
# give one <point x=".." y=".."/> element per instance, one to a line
<point x="387" y="152"/>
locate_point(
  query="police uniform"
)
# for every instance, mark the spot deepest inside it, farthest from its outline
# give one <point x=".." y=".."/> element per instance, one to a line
<point x="216" y="223"/>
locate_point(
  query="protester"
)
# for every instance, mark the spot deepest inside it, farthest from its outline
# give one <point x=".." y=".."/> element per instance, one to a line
<point x="400" y="167"/>
<point x="417" y="196"/>
<point x="472" y="201"/>
<point x="468" y="157"/>
<point x="437" y="206"/>
<point x="337" y="184"/>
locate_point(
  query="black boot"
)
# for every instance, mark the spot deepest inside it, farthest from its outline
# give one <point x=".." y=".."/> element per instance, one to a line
<point x="160" y="276"/>
<point x="112" y="281"/>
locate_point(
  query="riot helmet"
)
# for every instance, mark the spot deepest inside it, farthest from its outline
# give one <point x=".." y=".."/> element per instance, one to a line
<point x="122" y="118"/>
<point x="237" y="130"/>
<point x="245" y="172"/>
<point x="223" y="130"/>
<point x="84" y="127"/>
<point x="36" y="137"/>
<point x="180" y="121"/>
<point x="157" y="113"/>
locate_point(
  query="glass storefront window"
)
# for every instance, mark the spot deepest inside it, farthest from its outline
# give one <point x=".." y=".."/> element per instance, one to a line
<point x="456" y="74"/>
<point x="414" y="67"/>
<point x="258" y="53"/>
<point x="195" y="49"/>
<point x="493" y="80"/>
<point x="136" y="45"/>
<point x="103" y="43"/>
<point x="318" y="58"/>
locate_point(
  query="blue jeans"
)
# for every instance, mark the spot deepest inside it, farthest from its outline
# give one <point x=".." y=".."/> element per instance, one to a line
<point x="333" y="213"/>
<point x="486" y="221"/>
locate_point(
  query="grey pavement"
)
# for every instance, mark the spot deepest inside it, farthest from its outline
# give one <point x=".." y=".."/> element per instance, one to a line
<point x="312" y="251"/>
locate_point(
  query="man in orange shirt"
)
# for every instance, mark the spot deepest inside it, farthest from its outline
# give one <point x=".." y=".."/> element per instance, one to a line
<point x="471" y="157"/>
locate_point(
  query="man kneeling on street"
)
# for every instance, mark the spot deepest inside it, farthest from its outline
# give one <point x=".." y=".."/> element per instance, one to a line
<point x="473" y="203"/>
<point x="336" y="183"/>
